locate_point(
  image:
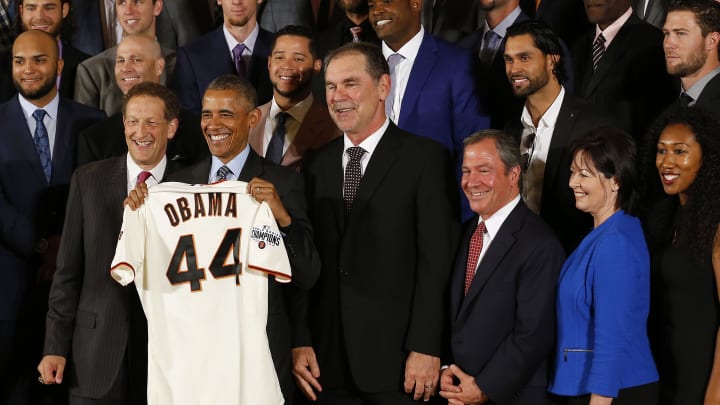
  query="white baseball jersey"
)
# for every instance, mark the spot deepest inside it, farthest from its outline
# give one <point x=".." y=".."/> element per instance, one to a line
<point x="200" y="258"/>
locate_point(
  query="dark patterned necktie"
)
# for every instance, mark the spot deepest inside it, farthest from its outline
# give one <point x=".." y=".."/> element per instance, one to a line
<point x="352" y="177"/>
<point x="42" y="143"/>
<point x="476" y="245"/>
<point x="237" y="58"/>
<point x="274" y="151"/>
<point x="222" y="173"/>
<point x="598" y="50"/>
<point x="685" y="99"/>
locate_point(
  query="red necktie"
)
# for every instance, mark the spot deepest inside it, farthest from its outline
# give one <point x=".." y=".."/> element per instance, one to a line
<point x="142" y="177"/>
<point x="476" y="245"/>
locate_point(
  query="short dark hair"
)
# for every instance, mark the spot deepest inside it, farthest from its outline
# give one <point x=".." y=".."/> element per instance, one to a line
<point x="548" y="42"/>
<point x="506" y="145"/>
<point x="168" y="97"/>
<point x="239" y="85"/>
<point x="707" y="13"/>
<point x="375" y="63"/>
<point x="613" y="154"/>
<point x="297" y="31"/>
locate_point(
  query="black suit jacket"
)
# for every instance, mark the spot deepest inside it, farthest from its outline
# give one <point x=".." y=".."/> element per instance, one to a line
<point x="709" y="98"/>
<point x="503" y="330"/>
<point x="631" y="82"/>
<point x="202" y="60"/>
<point x="30" y="207"/>
<point x="303" y="257"/>
<point x="72" y="58"/>
<point x="567" y="18"/>
<point x="385" y="266"/>
<point x="557" y="208"/>
<point x="93" y="321"/>
<point x="107" y="139"/>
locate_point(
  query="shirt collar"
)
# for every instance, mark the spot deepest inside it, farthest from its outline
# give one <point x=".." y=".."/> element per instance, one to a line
<point x="133" y="170"/>
<point x="501" y="29"/>
<point x="612" y="30"/>
<point x="548" y="119"/>
<point x="235" y="165"/>
<point x="249" y="41"/>
<point x="493" y="224"/>
<point x="371" y="142"/>
<point x="408" y="51"/>
<point x="51" y="108"/>
<point x="696" y="89"/>
<point x="298" y="111"/>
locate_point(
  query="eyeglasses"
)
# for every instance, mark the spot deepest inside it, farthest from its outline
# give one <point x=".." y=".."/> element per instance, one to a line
<point x="529" y="146"/>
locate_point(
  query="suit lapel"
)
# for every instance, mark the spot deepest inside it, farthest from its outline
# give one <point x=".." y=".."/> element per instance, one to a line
<point x="382" y="159"/>
<point x="117" y="186"/>
<point x="63" y="156"/>
<point x="495" y="254"/>
<point x="22" y="140"/>
<point x="253" y="167"/>
<point x="424" y="64"/>
<point x="257" y="134"/>
<point x="558" y="144"/>
<point x="305" y="137"/>
<point x="457" y="282"/>
<point x="616" y="51"/>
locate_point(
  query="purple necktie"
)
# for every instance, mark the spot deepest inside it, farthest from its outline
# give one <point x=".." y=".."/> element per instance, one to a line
<point x="237" y="58"/>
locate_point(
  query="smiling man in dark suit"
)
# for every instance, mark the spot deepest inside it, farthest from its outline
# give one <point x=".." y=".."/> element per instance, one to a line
<point x="38" y="134"/>
<point x="293" y="122"/>
<point x="502" y="291"/>
<point x="384" y="209"/>
<point x="96" y="337"/>
<point x="551" y="118"/>
<point x="239" y="46"/>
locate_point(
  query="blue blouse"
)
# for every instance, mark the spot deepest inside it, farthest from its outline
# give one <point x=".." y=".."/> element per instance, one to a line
<point x="602" y="309"/>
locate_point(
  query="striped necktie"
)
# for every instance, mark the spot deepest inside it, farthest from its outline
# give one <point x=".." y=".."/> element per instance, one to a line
<point x="598" y="50"/>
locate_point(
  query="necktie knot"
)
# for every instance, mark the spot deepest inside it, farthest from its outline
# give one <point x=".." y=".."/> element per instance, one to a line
<point x="237" y="58"/>
<point x="355" y="153"/>
<point x="356" y="31"/>
<point x="39" y="114"/>
<point x="685" y="99"/>
<point x="142" y="177"/>
<point x="222" y="173"/>
<point x="394" y="60"/>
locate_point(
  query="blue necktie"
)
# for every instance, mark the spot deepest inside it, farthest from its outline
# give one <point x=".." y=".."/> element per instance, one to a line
<point x="42" y="143"/>
<point x="222" y="173"/>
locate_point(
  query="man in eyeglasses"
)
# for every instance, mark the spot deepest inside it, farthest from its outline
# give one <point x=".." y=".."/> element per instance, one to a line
<point x="550" y="120"/>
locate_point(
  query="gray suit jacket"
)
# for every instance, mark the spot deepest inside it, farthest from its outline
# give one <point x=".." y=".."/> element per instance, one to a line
<point x="279" y="13"/>
<point x="182" y="21"/>
<point x="95" y="80"/>
<point x="316" y="130"/>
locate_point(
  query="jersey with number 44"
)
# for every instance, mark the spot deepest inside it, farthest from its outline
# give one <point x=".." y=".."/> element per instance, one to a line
<point x="200" y="257"/>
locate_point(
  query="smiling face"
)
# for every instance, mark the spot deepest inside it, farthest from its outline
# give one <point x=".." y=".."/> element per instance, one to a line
<point x="138" y="60"/>
<point x="594" y="193"/>
<point x="226" y="122"/>
<point x="395" y="21"/>
<point x="146" y="130"/>
<point x="487" y="183"/>
<point x="678" y="159"/>
<point x="44" y="15"/>
<point x="138" y="16"/>
<point x="292" y="67"/>
<point x="35" y="66"/>
<point x="527" y="67"/>
<point x="355" y="100"/>
<point x="605" y="12"/>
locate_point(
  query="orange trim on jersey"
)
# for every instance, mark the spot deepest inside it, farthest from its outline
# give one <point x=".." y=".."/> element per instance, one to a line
<point x="280" y="277"/>
<point x="126" y="264"/>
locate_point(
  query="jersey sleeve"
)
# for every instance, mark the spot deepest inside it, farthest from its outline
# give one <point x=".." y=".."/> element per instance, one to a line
<point x="130" y="251"/>
<point x="266" y="251"/>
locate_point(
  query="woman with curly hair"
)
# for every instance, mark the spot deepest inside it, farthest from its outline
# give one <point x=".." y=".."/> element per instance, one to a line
<point x="682" y="233"/>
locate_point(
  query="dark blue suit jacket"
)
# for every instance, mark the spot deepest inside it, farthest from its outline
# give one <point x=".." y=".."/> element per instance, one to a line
<point x="439" y="101"/>
<point x="202" y="60"/>
<point x="502" y="331"/>
<point x="30" y="208"/>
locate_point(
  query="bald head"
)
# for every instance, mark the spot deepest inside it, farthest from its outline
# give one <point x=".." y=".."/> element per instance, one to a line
<point x="139" y="59"/>
<point x="36" y="66"/>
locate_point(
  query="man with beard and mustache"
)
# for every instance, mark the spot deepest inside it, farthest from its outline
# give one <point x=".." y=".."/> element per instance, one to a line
<point x="551" y="119"/>
<point x="38" y="131"/>
<point x="292" y="123"/>
<point x="692" y="35"/>
<point x="50" y="16"/>
<point x="238" y="47"/>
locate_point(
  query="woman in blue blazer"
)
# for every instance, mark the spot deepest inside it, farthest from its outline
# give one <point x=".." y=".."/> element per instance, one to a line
<point x="603" y="353"/>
